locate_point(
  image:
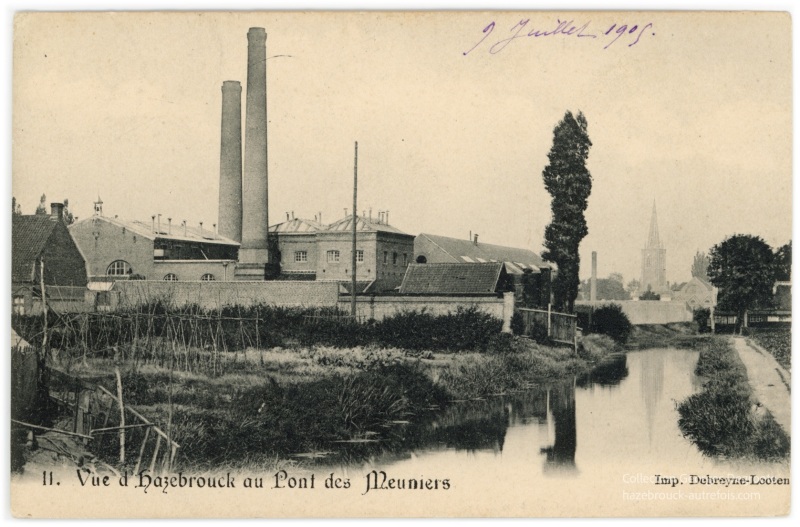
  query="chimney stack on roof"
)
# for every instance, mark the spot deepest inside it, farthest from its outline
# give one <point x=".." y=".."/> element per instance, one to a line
<point x="57" y="211"/>
<point x="476" y="239"/>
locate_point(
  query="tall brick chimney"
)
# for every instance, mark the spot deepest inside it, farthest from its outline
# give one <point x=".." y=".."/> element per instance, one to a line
<point x="230" y="162"/>
<point x="255" y="216"/>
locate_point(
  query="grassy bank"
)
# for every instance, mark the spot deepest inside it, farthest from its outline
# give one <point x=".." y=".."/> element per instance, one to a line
<point x="675" y="335"/>
<point x="723" y="419"/>
<point x="277" y="404"/>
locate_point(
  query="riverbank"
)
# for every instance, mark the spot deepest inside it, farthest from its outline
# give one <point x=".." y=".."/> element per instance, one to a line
<point x="264" y="407"/>
<point x="681" y="335"/>
<point x="725" y="419"/>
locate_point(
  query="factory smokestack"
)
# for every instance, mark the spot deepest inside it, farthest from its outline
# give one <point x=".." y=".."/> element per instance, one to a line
<point x="255" y="216"/>
<point x="230" y="162"/>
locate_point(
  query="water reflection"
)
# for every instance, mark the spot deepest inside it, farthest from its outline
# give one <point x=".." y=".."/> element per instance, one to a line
<point x="560" y="455"/>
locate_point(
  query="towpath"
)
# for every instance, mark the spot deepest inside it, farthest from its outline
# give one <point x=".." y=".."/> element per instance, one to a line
<point x="769" y="381"/>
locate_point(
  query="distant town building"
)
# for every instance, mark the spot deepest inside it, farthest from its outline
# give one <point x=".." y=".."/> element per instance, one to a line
<point x="36" y="238"/>
<point x="697" y="293"/>
<point x="654" y="261"/>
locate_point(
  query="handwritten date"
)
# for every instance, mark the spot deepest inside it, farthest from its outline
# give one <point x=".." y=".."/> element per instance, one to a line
<point x="629" y="34"/>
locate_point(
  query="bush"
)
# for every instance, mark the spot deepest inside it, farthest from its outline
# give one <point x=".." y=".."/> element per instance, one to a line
<point x="612" y="321"/>
<point x="701" y="317"/>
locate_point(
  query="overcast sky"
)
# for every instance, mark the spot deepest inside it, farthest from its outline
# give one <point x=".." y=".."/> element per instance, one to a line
<point x="693" y="112"/>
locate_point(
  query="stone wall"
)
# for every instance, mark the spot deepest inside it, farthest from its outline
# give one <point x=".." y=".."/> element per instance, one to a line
<point x="642" y="312"/>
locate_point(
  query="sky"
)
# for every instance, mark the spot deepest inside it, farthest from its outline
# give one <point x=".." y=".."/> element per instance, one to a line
<point x="692" y="112"/>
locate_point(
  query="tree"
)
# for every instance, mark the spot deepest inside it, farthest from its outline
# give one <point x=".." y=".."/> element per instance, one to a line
<point x="42" y="208"/>
<point x="15" y="208"/>
<point x="783" y="263"/>
<point x="610" y="288"/>
<point x="700" y="266"/>
<point x="742" y="268"/>
<point x="649" y="295"/>
<point x="633" y="287"/>
<point x="69" y="219"/>
<point x="569" y="183"/>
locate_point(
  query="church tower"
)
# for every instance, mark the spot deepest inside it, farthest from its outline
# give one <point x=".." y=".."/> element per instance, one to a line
<point x="654" y="259"/>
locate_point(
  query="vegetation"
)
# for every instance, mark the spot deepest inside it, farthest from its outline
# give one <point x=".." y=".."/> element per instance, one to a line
<point x="612" y="321"/>
<point x="742" y="267"/>
<point x="610" y="288"/>
<point x="700" y="266"/>
<point x="701" y="317"/>
<point x="569" y="182"/>
<point x="783" y="262"/>
<point x="777" y="341"/>
<point x="649" y="295"/>
<point x="721" y="419"/>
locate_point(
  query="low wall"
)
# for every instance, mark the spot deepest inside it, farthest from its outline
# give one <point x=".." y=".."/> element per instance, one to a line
<point x="212" y="295"/>
<point x="380" y="307"/>
<point x="641" y="312"/>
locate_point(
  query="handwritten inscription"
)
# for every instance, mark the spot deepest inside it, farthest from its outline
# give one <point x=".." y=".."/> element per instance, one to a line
<point x="615" y="34"/>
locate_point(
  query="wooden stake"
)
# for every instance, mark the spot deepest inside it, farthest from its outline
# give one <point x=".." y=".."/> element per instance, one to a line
<point x="355" y="219"/>
<point x="121" y="417"/>
<point x="141" y="450"/>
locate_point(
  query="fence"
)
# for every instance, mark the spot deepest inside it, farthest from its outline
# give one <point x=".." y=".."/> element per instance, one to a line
<point x="561" y="327"/>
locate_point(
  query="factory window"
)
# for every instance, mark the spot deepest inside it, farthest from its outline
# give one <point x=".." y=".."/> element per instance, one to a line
<point x="19" y="305"/>
<point x="394" y="258"/>
<point x="333" y="256"/>
<point x="170" y="277"/>
<point x="208" y="277"/>
<point x="360" y="255"/>
<point x="301" y="256"/>
<point x="119" y="268"/>
<point x="385" y="257"/>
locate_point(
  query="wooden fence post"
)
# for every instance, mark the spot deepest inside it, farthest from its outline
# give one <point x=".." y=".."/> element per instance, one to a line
<point x="121" y="417"/>
<point x="549" y="318"/>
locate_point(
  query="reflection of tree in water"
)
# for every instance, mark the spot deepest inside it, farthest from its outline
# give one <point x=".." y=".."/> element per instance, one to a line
<point x="561" y="455"/>
<point x="610" y="371"/>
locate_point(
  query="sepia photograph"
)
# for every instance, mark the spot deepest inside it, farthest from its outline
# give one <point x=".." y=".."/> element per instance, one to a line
<point x="385" y="264"/>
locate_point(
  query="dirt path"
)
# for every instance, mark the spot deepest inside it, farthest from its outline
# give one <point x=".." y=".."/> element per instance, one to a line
<point x="768" y="379"/>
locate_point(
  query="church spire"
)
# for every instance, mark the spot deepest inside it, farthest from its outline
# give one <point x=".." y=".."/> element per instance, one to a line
<point x="653" y="241"/>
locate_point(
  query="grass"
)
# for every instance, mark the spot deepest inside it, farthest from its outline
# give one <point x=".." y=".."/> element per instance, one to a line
<point x="722" y="419"/>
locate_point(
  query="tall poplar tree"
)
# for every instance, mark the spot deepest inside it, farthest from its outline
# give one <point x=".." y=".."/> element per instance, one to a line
<point x="569" y="183"/>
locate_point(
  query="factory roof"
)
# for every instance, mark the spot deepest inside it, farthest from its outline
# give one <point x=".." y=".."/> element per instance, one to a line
<point x="452" y="278"/>
<point x="164" y="231"/>
<point x="468" y="251"/>
<point x="363" y="224"/>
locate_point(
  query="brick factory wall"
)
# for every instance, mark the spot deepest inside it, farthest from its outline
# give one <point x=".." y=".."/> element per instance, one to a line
<point x="210" y="295"/>
<point x="380" y="307"/>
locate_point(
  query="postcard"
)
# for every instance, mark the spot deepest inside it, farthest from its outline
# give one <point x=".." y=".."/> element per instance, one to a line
<point x="401" y="264"/>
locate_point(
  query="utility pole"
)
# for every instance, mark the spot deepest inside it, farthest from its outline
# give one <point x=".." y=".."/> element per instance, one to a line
<point x="355" y="218"/>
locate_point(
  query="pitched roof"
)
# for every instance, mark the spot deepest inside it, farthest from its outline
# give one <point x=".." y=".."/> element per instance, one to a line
<point x="175" y="232"/>
<point x="451" y="278"/>
<point x="362" y="224"/>
<point x="466" y="251"/>
<point x="28" y="237"/>
<point x="297" y="225"/>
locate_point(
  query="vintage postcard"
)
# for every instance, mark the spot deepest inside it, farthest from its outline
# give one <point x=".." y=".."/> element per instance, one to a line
<point x="401" y="264"/>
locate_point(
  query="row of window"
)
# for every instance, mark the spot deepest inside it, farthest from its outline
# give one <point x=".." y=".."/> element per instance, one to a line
<point x="334" y="256"/>
<point x="172" y="277"/>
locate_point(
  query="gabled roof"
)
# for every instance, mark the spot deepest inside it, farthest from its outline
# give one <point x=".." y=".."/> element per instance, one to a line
<point x="466" y="251"/>
<point x="29" y="235"/>
<point x="452" y="278"/>
<point x="363" y="225"/>
<point x="297" y="225"/>
<point x="176" y="232"/>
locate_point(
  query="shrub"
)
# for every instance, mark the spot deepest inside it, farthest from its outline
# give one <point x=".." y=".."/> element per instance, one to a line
<point x="701" y="317"/>
<point x="612" y="321"/>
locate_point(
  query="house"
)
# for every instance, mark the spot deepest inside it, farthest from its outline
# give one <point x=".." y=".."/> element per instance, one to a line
<point x="310" y="250"/>
<point x="697" y="293"/>
<point x="118" y="249"/>
<point x="456" y="279"/>
<point x="41" y="242"/>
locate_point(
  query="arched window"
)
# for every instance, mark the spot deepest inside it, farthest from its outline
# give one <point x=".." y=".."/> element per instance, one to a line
<point x="119" y="268"/>
<point x="170" y="277"/>
<point x="208" y="277"/>
<point x="421" y="259"/>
